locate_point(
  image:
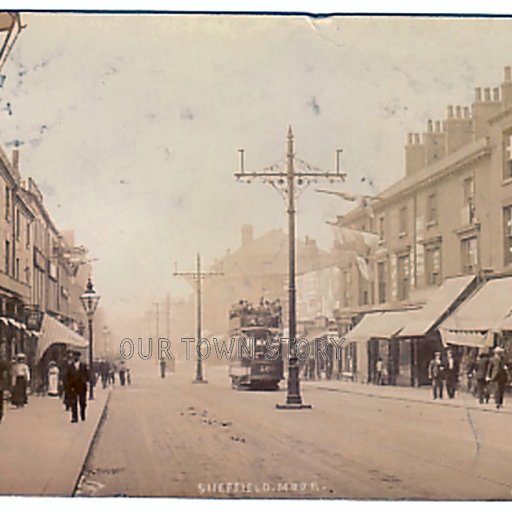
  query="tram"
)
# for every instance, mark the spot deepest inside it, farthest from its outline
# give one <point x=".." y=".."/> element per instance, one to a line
<point x="258" y="362"/>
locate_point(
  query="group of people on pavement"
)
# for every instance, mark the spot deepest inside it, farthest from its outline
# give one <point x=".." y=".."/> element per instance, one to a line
<point x="489" y="372"/>
<point x="68" y="380"/>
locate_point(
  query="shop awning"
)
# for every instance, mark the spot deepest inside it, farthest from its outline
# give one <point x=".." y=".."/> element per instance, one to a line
<point x="467" y="338"/>
<point x="384" y="325"/>
<point x="485" y="310"/>
<point x="444" y="297"/>
<point x="52" y="331"/>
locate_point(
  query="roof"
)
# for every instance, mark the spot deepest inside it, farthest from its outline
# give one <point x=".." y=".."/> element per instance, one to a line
<point x="426" y="318"/>
<point x="489" y="308"/>
<point x="384" y="325"/>
<point x="450" y="162"/>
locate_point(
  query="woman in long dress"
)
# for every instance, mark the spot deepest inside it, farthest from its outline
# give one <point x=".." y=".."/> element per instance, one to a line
<point x="53" y="379"/>
<point x="21" y="378"/>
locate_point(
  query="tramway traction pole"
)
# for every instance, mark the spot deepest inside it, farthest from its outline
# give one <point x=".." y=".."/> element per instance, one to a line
<point x="289" y="181"/>
<point x="198" y="276"/>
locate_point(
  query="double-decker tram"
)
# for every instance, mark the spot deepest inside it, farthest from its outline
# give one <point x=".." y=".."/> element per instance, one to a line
<point x="256" y="331"/>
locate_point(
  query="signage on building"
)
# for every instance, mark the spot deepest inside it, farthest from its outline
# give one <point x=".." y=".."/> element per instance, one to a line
<point x="33" y="319"/>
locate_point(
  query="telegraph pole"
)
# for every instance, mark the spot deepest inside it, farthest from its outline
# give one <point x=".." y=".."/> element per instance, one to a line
<point x="198" y="275"/>
<point x="289" y="181"/>
<point x="168" y="316"/>
<point x="157" y="319"/>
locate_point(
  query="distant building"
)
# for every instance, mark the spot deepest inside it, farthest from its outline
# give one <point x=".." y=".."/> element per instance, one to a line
<point x="258" y="268"/>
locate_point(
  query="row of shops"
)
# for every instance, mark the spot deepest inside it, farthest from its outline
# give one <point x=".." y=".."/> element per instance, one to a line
<point x="463" y="314"/>
<point x="466" y="314"/>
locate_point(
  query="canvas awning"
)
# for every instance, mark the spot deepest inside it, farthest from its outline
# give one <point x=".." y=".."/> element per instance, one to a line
<point x="444" y="297"/>
<point x="467" y="338"/>
<point x="52" y="331"/>
<point x="485" y="312"/>
<point x="384" y="325"/>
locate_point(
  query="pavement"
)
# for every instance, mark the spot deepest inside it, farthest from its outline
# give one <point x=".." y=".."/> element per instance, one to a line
<point x="41" y="452"/>
<point x="422" y="394"/>
<point x="170" y="437"/>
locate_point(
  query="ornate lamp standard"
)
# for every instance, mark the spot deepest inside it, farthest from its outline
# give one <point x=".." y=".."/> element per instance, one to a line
<point x="90" y="300"/>
<point x="289" y="181"/>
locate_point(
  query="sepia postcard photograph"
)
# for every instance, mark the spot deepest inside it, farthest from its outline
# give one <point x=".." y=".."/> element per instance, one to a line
<point x="255" y="255"/>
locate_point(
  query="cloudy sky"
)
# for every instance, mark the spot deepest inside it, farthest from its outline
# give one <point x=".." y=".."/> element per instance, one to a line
<point x="131" y="124"/>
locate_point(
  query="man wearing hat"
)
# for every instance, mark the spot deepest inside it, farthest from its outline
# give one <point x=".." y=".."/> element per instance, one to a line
<point x="498" y="375"/>
<point x="435" y="374"/>
<point x="77" y="376"/>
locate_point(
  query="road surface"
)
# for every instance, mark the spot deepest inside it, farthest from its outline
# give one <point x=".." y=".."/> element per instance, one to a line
<point x="170" y="437"/>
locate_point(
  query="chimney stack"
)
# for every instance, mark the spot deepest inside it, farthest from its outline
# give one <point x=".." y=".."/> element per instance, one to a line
<point x="434" y="142"/>
<point x="458" y="129"/>
<point x="506" y="88"/>
<point x="487" y="106"/>
<point x="415" y="157"/>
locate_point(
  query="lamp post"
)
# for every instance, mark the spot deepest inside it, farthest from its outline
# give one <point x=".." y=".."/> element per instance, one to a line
<point x="289" y="181"/>
<point x="90" y="300"/>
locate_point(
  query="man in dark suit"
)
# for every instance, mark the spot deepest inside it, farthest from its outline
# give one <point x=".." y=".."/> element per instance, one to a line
<point x="435" y="374"/>
<point x="77" y="376"/>
<point x="451" y="372"/>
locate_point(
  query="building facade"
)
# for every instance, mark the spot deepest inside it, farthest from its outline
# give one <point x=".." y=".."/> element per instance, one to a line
<point x="450" y="215"/>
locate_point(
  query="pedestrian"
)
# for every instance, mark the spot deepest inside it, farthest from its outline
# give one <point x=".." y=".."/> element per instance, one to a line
<point x="450" y="374"/>
<point x="21" y="379"/>
<point x="66" y="386"/>
<point x="498" y="376"/>
<point x="128" y="376"/>
<point x="480" y="375"/>
<point x="5" y="368"/>
<point x="112" y="374"/>
<point x="77" y="378"/>
<point x="122" y="373"/>
<point x="104" y="372"/>
<point x="435" y="374"/>
<point x="379" y="369"/>
<point x="53" y="379"/>
<point x="162" y="367"/>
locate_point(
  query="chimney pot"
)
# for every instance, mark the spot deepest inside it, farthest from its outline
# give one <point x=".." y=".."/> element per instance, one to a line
<point x="478" y="94"/>
<point x="449" y="111"/>
<point x="466" y="112"/>
<point x="487" y="94"/>
<point x="438" y="126"/>
<point x="417" y="138"/>
<point x="458" y="111"/>
<point x="508" y="74"/>
<point x="496" y="94"/>
<point x="410" y="139"/>
<point x="429" y="126"/>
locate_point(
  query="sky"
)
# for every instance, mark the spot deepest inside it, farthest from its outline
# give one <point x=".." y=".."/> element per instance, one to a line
<point x="130" y="124"/>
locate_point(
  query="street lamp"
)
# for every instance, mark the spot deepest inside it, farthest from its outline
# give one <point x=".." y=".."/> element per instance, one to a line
<point x="90" y="300"/>
<point x="289" y="181"/>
